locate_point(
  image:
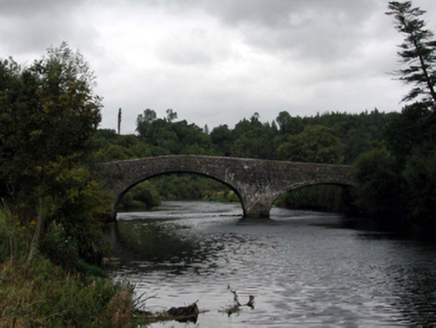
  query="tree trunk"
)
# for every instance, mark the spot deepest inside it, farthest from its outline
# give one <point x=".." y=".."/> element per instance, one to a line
<point x="37" y="233"/>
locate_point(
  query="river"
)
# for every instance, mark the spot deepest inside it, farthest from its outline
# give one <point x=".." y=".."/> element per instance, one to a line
<point x="304" y="268"/>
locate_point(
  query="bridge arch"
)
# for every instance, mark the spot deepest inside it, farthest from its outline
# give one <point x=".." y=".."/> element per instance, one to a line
<point x="256" y="182"/>
<point x="297" y="186"/>
<point x="148" y="177"/>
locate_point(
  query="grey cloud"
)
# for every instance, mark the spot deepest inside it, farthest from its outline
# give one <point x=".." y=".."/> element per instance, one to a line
<point x="318" y="29"/>
<point x="198" y="47"/>
<point x="28" y="26"/>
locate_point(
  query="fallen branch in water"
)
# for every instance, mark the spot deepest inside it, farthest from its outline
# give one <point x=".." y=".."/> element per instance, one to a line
<point x="237" y="306"/>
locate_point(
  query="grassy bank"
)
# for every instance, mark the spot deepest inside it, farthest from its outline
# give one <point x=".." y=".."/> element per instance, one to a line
<point x="47" y="295"/>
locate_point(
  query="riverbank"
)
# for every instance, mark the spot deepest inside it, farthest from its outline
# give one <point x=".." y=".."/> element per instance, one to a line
<point x="47" y="295"/>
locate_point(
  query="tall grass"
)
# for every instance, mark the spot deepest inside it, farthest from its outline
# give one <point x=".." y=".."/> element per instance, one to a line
<point x="47" y="295"/>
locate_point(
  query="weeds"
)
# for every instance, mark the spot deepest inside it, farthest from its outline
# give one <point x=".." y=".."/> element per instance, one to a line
<point x="47" y="295"/>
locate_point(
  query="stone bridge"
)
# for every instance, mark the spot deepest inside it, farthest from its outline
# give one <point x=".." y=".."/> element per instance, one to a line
<point x="256" y="182"/>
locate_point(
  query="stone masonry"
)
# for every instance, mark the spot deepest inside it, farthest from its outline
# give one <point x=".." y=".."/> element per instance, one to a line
<point x="256" y="182"/>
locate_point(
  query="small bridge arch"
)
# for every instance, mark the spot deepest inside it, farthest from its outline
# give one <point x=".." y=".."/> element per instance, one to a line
<point x="256" y="182"/>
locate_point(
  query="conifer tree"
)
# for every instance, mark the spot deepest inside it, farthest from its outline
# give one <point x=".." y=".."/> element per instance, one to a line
<point x="418" y="51"/>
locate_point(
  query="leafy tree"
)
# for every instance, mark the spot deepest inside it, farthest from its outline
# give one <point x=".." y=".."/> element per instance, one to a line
<point x="143" y="122"/>
<point x="48" y="113"/>
<point x="420" y="175"/>
<point x="282" y="120"/>
<point x="171" y="115"/>
<point x="221" y="137"/>
<point x="378" y="182"/>
<point x="316" y="144"/>
<point x="142" y="196"/>
<point x="357" y="142"/>
<point x="418" y="51"/>
<point x="406" y="131"/>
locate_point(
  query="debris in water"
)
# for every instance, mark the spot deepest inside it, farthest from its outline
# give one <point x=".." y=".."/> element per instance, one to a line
<point x="237" y="305"/>
<point x="185" y="313"/>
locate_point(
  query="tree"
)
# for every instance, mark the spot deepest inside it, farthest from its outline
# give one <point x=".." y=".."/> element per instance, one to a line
<point x="316" y="144"/>
<point x="406" y="131"/>
<point x="282" y="120"/>
<point x="418" y="51"/>
<point x="171" y="115"/>
<point x="143" y="122"/>
<point x="221" y="137"/>
<point x="119" y="121"/>
<point x="48" y="113"/>
<point x="378" y="182"/>
<point x="420" y="175"/>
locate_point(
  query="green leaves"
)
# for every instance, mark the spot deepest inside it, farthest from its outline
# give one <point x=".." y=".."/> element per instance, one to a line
<point x="378" y="183"/>
<point x="316" y="144"/>
<point x="48" y="113"/>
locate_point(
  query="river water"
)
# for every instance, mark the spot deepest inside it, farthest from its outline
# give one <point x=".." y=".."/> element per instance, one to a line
<point x="304" y="268"/>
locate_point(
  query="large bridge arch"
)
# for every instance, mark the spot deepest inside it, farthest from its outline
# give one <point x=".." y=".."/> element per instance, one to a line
<point x="148" y="177"/>
<point x="256" y="182"/>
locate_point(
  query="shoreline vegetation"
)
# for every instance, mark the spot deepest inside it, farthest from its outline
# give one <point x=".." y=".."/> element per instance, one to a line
<point x="52" y="241"/>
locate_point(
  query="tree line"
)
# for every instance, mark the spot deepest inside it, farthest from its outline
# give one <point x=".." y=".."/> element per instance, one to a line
<point x="334" y="138"/>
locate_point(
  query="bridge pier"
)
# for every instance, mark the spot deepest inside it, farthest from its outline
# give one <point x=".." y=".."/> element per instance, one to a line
<point x="257" y="206"/>
<point x="258" y="211"/>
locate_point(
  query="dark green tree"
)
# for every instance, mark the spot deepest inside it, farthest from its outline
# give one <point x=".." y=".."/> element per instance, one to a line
<point x="221" y="137"/>
<point x="315" y="144"/>
<point x="418" y="51"/>
<point x="143" y="122"/>
<point x="171" y="115"/>
<point x="378" y="183"/>
<point x="119" y="121"/>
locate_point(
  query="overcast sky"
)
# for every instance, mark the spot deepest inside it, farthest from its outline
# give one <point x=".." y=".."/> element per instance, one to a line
<point x="216" y="62"/>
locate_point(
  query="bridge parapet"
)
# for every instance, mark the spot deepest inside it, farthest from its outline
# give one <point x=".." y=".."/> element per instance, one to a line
<point x="256" y="182"/>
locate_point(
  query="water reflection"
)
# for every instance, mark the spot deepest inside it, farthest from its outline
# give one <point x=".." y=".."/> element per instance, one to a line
<point x="304" y="268"/>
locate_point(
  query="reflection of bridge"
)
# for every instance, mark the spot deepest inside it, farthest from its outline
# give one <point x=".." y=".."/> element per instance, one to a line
<point x="256" y="182"/>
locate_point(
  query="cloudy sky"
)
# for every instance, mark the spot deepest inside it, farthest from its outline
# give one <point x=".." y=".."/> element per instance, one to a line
<point x="216" y="62"/>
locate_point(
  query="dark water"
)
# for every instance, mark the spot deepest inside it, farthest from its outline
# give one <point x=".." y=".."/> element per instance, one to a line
<point x="304" y="268"/>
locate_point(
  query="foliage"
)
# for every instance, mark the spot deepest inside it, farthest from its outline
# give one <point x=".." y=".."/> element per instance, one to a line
<point x="186" y="186"/>
<point x="418" y="51"/>
<point x="46" y="295"/>
<point x="41" y="153"/>
<point x="319" y="198"/>
<point x="75" y="235"/>
<point x="221" y="196"/>
<point x="406" y="131"/>
<point x="142" y="196"/>
<point x="377" y="181"/>
<point x="315" y="144"/>
<point x="420" y="175"/>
